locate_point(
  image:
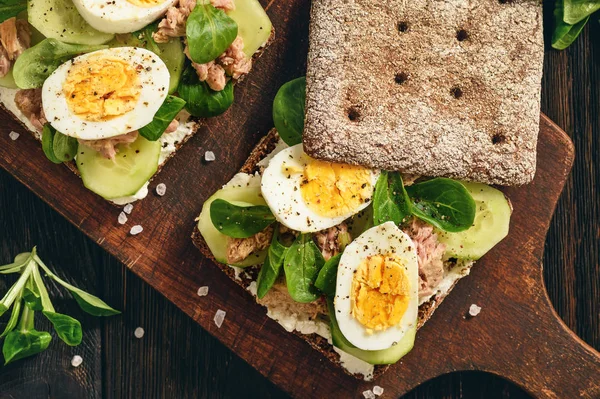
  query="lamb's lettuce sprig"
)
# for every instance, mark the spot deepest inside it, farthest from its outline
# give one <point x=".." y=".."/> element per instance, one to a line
<point x="441" y="202"/>
<point x="570" y="17"/>
<point x="11" y="8"/>
<point x="36" y="63"/>
<point x="209" y="31"/>
<point x="29" y="295"/>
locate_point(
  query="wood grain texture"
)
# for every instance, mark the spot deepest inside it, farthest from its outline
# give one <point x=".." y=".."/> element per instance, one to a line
<point x="132" y="368"/>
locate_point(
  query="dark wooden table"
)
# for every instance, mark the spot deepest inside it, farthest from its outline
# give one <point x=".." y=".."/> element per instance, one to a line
<point x="177" y="359"/>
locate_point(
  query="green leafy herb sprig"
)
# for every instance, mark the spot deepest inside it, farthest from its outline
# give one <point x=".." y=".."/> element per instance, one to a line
<point x="570" y="16"/>
<point x="29" y="295"/>
<point x="58" y="147"/>
<point x="36" y="63"/>
<point x="11" y="8"/>
<point x="441" y="202"/>
<point x="209" y="31"/>
<point x="288" y="111"/>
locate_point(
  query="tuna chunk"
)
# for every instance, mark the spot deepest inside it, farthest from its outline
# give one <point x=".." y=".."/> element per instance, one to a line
<point x="278" y="300"/>
<point x="107" y="147"/>
<point x="332" y="240"/>
<point x="239" y="249"/>
<point x="5" y="62"/>
<point x="14" y="39"/>
<point x="430" y="252"/>
<point x="172" y="126"/>
<point x="173" y="24"/>
<point x="234" y="60"/>
<point x="29" y="103"/>
<point x="225" y="5"/>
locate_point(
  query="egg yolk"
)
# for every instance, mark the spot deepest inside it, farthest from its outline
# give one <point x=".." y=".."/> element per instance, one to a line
<point x="335" y="189"/>
<point x="380" y="292"/>
<point x="146" y="3"/>
<point x="101" y="88"/>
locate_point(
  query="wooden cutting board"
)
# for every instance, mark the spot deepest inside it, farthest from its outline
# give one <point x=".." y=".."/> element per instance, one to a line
<point x="517" y="335"/>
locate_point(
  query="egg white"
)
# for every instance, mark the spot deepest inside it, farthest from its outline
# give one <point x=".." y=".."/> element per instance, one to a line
<point x="154" y="79"/>
<point x="119" y="16"/>
<point x="379" y="240"/>
<point x="283" y="194"/>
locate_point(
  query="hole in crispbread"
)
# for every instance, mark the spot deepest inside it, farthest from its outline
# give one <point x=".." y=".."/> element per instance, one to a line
<point x="462" y="35"/>
<point x="498" y="138"/>
<point x="403" y="26"/>
<point x="401" y="77"/>
<point x="353" y="114"/>
<point x="456" y="92"/>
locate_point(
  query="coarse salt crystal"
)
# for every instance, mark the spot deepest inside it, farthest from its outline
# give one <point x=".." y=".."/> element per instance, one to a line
<point x="474" y="310"/>
<point x="377" y="390"/>
<point x="137" y="229"/>
<point x="139" y="332"/>
<point x="219" y="317"/>
<point x="76" y="361"/>
<point x="369" y="394"/>
<point x="203" y="291"/>
<point x="209" y="156"/>
<point x="128" y="208"/>
<point x="122" y="218"/>
<point x="161" y="189"/>
<point x="13" y="135"/>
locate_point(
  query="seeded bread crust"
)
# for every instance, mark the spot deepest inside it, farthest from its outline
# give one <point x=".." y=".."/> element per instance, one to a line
<point x="433" y="88"/>
<point x="262" y="149"/>
<point x="73" y="168"/>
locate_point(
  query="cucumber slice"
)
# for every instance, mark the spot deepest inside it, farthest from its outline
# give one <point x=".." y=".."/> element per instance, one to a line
<point x="133" y="166"/>
<point x="60" y="20"/>
<point x="491" y="224"/>
<point x="174" y="58"/>
<point x="244" y="195"/>
<point x="8" y="80"/>
<point x="384" y="356"/>
<point x="254" y="25"/>
<point x="171" y="53"/>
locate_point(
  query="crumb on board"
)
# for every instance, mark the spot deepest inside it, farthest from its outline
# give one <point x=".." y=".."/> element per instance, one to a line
<point x="76" y="361"/>
<point x="128" y="208"/>
<point x="139" y="332"/>
<point x="474" y="310"/>
<point x="203" y="291"/>
<point x="135" y="230"/>
<point x="161" y="189"/>
<point x="219" y="317"/>
<point x="122" y="218"/>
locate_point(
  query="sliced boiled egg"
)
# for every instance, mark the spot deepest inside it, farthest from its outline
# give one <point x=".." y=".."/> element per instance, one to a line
<point x="309" y="195"/>
<point x="376" y="299"/>
<point x="105" y="93"/>
<point x="121" y="16"/>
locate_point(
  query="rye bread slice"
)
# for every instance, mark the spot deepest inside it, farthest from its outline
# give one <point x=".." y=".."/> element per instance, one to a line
<point x="262" y="149"/>
<point x="73" y="168"/>
<point x="433" y="88"/>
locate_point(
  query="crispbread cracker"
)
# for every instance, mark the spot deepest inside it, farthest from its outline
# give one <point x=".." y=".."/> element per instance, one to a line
<point x="427" y="87"/>
<point x="262" y="149"/>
